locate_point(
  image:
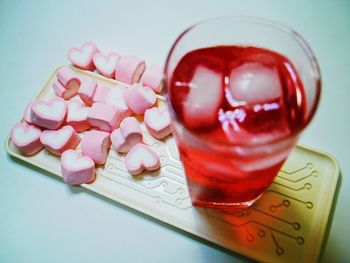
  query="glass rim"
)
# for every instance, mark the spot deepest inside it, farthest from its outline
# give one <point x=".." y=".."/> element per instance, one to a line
<point x="259" y="21"/>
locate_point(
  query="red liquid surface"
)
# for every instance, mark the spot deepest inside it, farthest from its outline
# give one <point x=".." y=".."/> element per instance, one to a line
<point x="233" y="95"/>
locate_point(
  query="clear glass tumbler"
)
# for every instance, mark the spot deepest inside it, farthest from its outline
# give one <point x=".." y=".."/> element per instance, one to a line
<point x="234" y="175"/>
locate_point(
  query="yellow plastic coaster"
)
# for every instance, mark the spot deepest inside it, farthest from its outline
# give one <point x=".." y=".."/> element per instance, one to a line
<point x="287" y="224"/>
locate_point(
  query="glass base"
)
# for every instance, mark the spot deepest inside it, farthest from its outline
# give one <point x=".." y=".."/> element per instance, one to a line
<point x="240" y="206"/>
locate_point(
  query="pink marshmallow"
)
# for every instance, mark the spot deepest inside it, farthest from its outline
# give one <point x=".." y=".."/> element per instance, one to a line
<point x="127" y="136"/>
<point x="77" y="169"/>
<point x="140" y="158"/>
<point x="105" y="117"/>
<point x="67" y="84"/>
<point x="65" y="75"/>
<point x="115" y="97"/>
<point x="26" y="115"/>
<point x="87" y="90"/>
<point x="61" y="140"/>
<point x="101" y="93"/>
<point x="96" y="144"/>
<point x="58" y="88"/>
<point x="152" y="77"/>
<point x="26" y="138"/>
<point x="48" y="114"/>
<point x="158" y="122"/>
<point x="139" y="98"/>
<point x="77" y="116"/>
<point x="105" y="64"/>
<point x="82" y="57"/>
<point x="129" y="69"/>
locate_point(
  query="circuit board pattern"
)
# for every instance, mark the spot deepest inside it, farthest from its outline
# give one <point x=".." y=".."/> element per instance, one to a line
<point x="286" y="224"/>
<point x="272" y="220"/>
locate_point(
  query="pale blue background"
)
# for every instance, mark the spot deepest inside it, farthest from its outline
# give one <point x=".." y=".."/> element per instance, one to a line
<point x="43" y="220"/>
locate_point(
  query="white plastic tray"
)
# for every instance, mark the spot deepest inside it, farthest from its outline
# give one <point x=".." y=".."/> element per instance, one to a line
<point x="287" y="224"/>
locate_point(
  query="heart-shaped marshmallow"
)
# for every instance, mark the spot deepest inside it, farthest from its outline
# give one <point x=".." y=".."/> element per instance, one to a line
<point x="127" y="136"/>
<point x="139" y="98"/>
<point x="87" y="90"/>
<point x="48" y="113"/>
<point x="129" y="69"/>
<point x="140" y="158"/>
<point x="26" y="115"/>
<point x="104" y="117"/>
<point x="77" y="169"/>
<point x="77" y="115"/>
<point x="26" y="138"/>
<point x="105" y="64"/>
<point x="152" y="77"/>
<point x="67" y="83"/>
<point x="158" y="122"/>
<point x="59" y="89"/>
<point x="101" y="93"/>
<point x="96" y="144"/>
<point x="115" y="97"/>
<point x="82" y="57"/>
<point x="61" y="140"/>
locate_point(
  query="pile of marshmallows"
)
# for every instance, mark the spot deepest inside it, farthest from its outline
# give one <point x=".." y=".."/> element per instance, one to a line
<point x="104" y="114"/>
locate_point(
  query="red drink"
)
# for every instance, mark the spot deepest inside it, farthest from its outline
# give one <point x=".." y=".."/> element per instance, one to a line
<point x="247" y="104"/>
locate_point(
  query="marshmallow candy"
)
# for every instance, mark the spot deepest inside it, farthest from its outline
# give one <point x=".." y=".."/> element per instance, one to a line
<point x="96" y="144"/>
<point x="139" y="98"/>
<point x="26" y="115"/>
<point x="59" y="89"/>
<point x="115" y="97"/>
<point x="26" y="138"/>
<point x="105" y="64"/>
<point x="158" y="122"/>
<point x="82" y="57"/>
<point x="129" y="69"/>
<point x="48" y="113"/>
<point x="87" y="90"/>
<point x="67" y="83"/>
<point x="127" y="136"/>
<point x="152" y="77"/>
<point x="140" y="158"/>
<point x="105" y="117"/>
<point x="77" y="169"/>
<point x="61" y="140"/>
<point x="77" y="116"/>
<point x="100" y="94"/>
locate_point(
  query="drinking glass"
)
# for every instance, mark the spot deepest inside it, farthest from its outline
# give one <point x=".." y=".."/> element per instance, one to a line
<point x="234" y="175"/>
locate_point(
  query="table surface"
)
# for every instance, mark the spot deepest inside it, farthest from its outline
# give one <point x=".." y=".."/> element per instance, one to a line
<point x="43" y="220"/>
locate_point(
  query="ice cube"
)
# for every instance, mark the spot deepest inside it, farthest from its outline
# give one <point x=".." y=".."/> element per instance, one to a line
<point x="253" y="83"/>
<point x="203" y="101"/>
